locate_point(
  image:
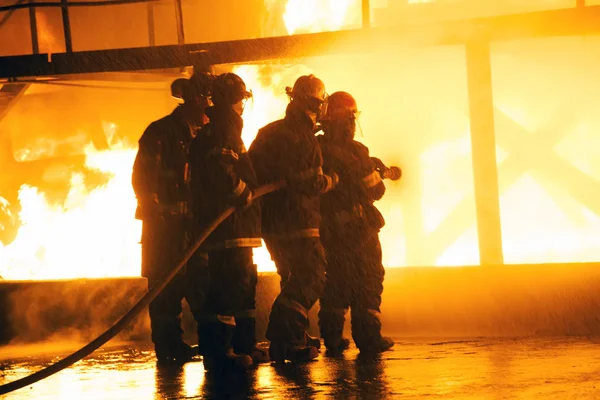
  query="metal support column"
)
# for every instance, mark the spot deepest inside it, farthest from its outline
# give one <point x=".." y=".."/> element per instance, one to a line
<point x="179" y="21"/>
<point x="66" y="25"/>
<point x="151" y="30"/>
<point x="35" y="46"/>
<point x="366" y="14"/>
<point x="483" y="148"/>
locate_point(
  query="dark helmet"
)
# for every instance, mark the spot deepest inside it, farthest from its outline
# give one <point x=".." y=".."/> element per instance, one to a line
<point x="340" y="106"/>
<point x="177" y="88"/>
<point x="310" y="91"/>
<point x="198" y="86"/>
<point x="306" y="87"/>
<point x="229" y="89"/>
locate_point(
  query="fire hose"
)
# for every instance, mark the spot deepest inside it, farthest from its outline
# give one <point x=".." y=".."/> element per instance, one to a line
<point x="137" y="308"/>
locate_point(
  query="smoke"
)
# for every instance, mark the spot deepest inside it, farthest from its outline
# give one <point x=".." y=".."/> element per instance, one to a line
<point x="74" y="311"/>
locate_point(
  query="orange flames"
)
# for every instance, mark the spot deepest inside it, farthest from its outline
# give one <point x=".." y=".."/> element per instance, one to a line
<point x="93" y="235"/>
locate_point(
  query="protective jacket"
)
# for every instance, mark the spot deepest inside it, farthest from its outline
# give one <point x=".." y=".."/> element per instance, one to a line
<point x="288" y="150"/>
<point x="160" y="170"/>
<point x="350" y="204"/>
<point x="222" y="175"/>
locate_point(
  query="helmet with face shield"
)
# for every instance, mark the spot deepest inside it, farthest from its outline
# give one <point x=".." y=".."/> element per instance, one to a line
<point x="310" y="91"/>
<point x="341" y="115"/>
<point x="229" y="89"/>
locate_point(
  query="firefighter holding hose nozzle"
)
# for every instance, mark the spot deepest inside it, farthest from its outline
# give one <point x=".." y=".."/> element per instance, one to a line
<point x="350" y="227"/>
<point x="391" y="173"/>
<point x="161" y="185"/>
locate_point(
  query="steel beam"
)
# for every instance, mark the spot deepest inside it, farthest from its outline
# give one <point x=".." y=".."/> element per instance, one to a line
<point x="66" y="26"/>
<point x="35" y="46"/>
<point x="567" y="22"/>
<point x="483" y="150"/>
<point x="151" y="29"/>
<point x="179" y="22"/>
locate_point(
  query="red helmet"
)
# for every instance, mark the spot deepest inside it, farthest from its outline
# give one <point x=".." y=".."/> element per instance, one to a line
<point x="340" y="106"/>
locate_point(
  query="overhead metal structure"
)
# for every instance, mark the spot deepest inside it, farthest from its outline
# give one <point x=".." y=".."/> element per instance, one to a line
<point x="564" y="22"/>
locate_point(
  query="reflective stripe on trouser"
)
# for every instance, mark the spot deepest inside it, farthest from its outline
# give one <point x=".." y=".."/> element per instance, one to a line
<point x="210" y="318"/>
<point x="303" y="259"/>
<point x="331" y="323"/>
<point x="243" y="337"/>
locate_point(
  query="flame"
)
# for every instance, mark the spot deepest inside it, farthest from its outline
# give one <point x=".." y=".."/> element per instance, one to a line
<point x="316" y="15"/>
<point x="93" y="234"/>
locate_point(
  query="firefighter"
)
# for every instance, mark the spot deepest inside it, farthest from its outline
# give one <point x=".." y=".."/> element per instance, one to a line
<point x="160" y="183"/>
<point x="223" y="175"/>
<point x="288" y="149"/>
<point x="350" y="233"/>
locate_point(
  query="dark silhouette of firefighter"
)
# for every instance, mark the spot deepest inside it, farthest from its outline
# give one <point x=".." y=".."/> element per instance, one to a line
<point x="222" y="175"/>
<point x="350" y="227"/>
<point x="161" y="184"/>
<point x="288" y="149"/>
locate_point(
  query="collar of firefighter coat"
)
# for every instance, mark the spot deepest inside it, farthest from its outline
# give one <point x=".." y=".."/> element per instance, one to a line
<point x="225" y="115"/>
<point x="227" y="124"/>
<point x="299" y="120"/>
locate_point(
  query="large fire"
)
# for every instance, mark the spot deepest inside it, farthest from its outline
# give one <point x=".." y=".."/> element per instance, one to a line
<point x="94" y="233"/>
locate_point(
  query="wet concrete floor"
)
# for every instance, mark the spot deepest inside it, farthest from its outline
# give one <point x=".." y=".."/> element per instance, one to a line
<point x="415" y="369"/>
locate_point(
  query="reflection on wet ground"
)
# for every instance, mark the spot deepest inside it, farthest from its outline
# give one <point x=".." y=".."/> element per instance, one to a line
<point x="474" y="369"/>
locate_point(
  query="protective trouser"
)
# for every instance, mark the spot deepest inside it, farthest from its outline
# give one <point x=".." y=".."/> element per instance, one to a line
<point x="301" y="263"/>
<point x="227" y="320"/>
<point x="164" y="243"/>
<point x="354" y="280"/>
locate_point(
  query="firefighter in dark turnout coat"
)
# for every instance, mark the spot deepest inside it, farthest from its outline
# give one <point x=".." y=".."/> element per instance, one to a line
<point x="160" y="183"/>
<point x="222" y="175"/>
<point x="287" y="149"/>
<point x="350" y="234"/>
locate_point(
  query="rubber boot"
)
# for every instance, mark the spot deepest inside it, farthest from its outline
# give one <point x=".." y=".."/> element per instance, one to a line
<point x="366" y="331"/>
<point x="280" y="352"/>
<point x="337" y="346"/>
<point x="331" y="324"/>
<point x="383" y="343"/>
<point x="217" y="350"/>
<point x="244" y="340"/>
<point x="312" y="341"/>
<point x="169" y="347"/>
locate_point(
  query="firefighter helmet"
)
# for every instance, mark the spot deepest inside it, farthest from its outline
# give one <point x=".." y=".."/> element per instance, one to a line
<point x="177" y="88"/>
<point x="340" y="106"/>
<point x="229" y="89"/>
<point x="198" y="86"/>
<point x="306" y="87"/>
